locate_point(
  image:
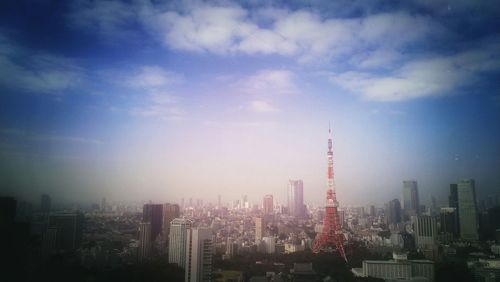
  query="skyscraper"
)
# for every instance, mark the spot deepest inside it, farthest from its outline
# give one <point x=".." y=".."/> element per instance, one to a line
<point x="153" y="213"/>
<point x="177" y="241"/>
<point x="45" y="204"/>
<point x="268" y="204"/>
<point x="425" y="231"/>
<point x="259" y="225"/>
<point x="393" y="212"/>
<point x="467" y="210"/>
<point x="144" y="251"/>
<point x="296" y="198"/>
<point x="411" y="203"/>
<point x="199" y="249"/>
<point x="170" y="211"/>
<point x="449" y="221"/>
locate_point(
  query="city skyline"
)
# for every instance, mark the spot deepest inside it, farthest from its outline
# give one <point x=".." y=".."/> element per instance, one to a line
<point x="135" y="101"/>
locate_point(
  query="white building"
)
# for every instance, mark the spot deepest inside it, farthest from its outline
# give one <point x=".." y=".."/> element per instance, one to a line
<point x="177" y="241"/>
<point x="199" y="250"/>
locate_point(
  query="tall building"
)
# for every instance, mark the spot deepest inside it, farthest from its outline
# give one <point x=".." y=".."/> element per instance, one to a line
<point x="467" y="210"/>
<point x="448" y="220"/>
<point x="393" y="212"/>
<point x="144" y="251"/>
<point x="411" y="204"/>
<point x="425" y="232"/>
<point x="177" y="241"/>
<point x="68" y="228"/>
<point x="199" y="250"/>
<point x="268" y="204"/>
<point x="153" y="213"/>
<point x="45" y="204"/>
<point x="259" y="227"/>
<point x="453" y="198"/>
<point x="296" y="198"/>
<point x="170" y="211"/>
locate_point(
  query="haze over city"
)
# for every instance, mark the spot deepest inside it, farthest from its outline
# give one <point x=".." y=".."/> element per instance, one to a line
<point x="135" y="101"/>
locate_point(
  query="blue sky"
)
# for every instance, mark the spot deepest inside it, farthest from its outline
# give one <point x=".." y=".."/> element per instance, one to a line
<point x="135" y="100"/>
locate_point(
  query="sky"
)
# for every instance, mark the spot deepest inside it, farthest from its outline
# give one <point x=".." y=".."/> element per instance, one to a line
<point x="163" y="100"/>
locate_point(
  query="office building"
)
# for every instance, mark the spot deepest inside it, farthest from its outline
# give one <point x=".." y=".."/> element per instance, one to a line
<point x="425" y="232"/>
<point x="153" y="213"/>
<point x="199" y="250"/>
<point x="296" y="198"/>
<point x="467" y="210"/>
<point x="68" y="228"/>
<point x="268" y="204"/>
<point x="177" y="241"/>
<point x="393" y="212"/>
<point x="144" y="251"/>
<point x="411" y="204"/>
<point x="397" y="269"/>
<point x="259" y="228"/>
<point x="170" y="212"/>
<point x="448" y="220"/>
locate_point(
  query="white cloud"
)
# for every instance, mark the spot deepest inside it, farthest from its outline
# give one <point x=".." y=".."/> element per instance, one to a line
<point x="425" y="77"/>
<point x="262" y="106"/>
<point x="269" y="82"/>
<point x="152" y="77"/>
<point x="303" y="34"/>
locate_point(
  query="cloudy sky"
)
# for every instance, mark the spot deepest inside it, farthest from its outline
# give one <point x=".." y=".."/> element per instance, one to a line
<point x="140" y="100"/>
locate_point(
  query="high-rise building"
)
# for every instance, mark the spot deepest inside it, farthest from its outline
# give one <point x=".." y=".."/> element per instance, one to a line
<point x="393" y="212"/>
<point x="259" y="227"/>
<point x="411" y="202"/>
<point x="448" y="220"/>
<point x="144" y="251"/>
<point x="467" y="210"/>
<point x="453" y="198"/>
<point x="45" y="204"/>
<point x="170" y="211"/>
<point x="68" y="228"/>
<point x="425" y="232"/>
<point x="199" y="250"/>
<point x="296" y="198"/>
<point x="177" y="241"/>
<point x="268" y="204"/>
<point x="153" y="213"/>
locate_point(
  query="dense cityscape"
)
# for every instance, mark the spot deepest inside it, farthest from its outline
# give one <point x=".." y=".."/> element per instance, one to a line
<point x="250" y="140"/>
<point x="196" y="240"/>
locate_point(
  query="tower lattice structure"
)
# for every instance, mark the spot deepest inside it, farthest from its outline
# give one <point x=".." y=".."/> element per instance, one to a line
<point x="332" y="235"/>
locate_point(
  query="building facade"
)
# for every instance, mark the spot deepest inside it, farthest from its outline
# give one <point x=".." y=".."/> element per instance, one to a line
<point x="177" y="241"/>
<point x="199" y="250"/>
<point x="467" y="210"/>
<point x="296" y="198"/>
<point x="411" y="203"/>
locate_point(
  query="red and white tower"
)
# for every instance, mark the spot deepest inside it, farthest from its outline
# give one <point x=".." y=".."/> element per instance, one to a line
<point x="332" y="235"/>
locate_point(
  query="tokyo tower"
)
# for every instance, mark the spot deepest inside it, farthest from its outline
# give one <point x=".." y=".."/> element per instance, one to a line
<point x="332" y="232"/>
